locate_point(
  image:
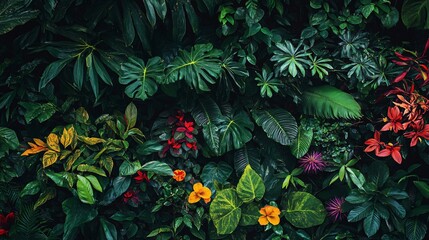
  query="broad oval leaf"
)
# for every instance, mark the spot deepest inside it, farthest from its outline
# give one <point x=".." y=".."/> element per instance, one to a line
<point x="249" y="215"/>
<point x="415" y="229"/>
<point x="330" y="102"/>
<point x="141" y="78"/>
<point x="371" y="224"/>
<point x="84" y="190"/>
<point x="76" y="218"/>
<point x="235" y="132"/>
<point x="225" y="211"/>
<point x="302" y="143"/>
<point x="415" y="13"/>
<point x="49" y="158"/>
<point x="250" y="186"/>
<point x="158" y="167"/>
<point x="304" y="210"/>
<point x="278" y="123"/>
<point x="199" y="67"/>
<point x="9" y="138"/>
<point x="212" y="172"/>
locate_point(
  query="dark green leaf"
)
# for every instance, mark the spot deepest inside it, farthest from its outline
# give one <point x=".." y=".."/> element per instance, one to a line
<point x="415" y="229"/>
<point x="158" y="167"/>
<point x="109" y="229"/>
<point x="235" y="132"/>
<point x="51" y="71"/>
<point x="302" y="143"/>
<point x="14" y="13"/>
<point x="423" y="187"/>
<point x="75" y="218"/>
<point x="371" y="224"/>
<point x="415" y="13"/>
<point x="212" y="172"/>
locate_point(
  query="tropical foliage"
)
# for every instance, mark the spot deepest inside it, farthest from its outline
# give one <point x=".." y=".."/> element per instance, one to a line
<point x="214" y="119"/>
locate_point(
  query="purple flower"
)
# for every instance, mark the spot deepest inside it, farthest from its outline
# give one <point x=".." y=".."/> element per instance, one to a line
<point x="312" y="162"/>
<point x="334" y="208"/>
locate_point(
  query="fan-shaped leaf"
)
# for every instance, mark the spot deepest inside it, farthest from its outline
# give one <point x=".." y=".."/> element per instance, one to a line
<point x="141" y="78"/>
<point x="278" y="123"/>
<point x="330" y="102"/>
<point x="198" y="67"/>
<point x="302" y="143"/>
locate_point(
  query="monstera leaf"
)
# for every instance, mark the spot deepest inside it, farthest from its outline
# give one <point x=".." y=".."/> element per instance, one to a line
<point x="329" y="102"/>
<point x="199" y="67"/>
<point x="235" y="132"/>
<point x="279" y="124"/>
<point x="14" y="13"/>
<point x="141" y="79"/>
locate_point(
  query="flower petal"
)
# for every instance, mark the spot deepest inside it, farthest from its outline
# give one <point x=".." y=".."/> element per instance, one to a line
<point x="193" y="198"/>
<point x="204" y="192"/>
<point x="197" y="186"/>
<point x="275" y="220"/>
<point x="263" y="220"/>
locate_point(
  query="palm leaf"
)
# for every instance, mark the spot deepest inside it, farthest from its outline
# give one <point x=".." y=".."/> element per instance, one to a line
<point x="141" y="78"/>
<point x="330" y="102"/>
<point x="302" y="143"/>
<point x="278" y="123"/>
<point x="199" y="67"/>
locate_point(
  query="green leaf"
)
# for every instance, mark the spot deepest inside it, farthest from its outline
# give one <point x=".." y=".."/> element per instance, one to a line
<point x="31" y="188"/>
<point x="249" y="215"/>
<point x="93" y="77"/>
<point x="199" y="67"/>
<point x="129" y="168"/>
<point x="84" y="190"/>
<point x="371" y="224"/>
<point x="225" y="211"/>
<point x="302" y="143"/>
<point x="14" y="13"/>
<point x="109" y="229"/>
<point x="329" y="102"/>
<point x="78" y="72"/>
<point x="76" y="215"/>
<point x="9" y="138"/>
<point x="278" y="123"/>
<point x="131" y="115"/>
<point x="415" y="229"/>
<point x="423" y="188"/>
<point x="360" y="212"/>
<point x="415" y="13"/>
<point x="378" y="173"/>
<point x="158" y="167"/>
<point x="246" y="156"/>
<point x="250" y="186"/>
<point x="287" y="57"/>
<point x="367" y="10"/>
<point x="128" y="32"/>
<point x="94" y="182"/>
<point x="235" y="132"/>
<point x="52" y="70"/>
<point x="149" y="147"/>
<point x="157" y="231"/>
<point x="91" y="169"/>
<point x="304" y="210"/>
<point x="308" y="32"/>
<point x="41" y="112"/>
<point x="141" y="78"/>
<point x="45" y="196"/>
<point x="212" y="172"/>
<point x="101" y="71"/>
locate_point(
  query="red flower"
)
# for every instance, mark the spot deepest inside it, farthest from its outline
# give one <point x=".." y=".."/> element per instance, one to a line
<point x="6" y="222"/>
<point x="131" y="195"/>
<point x="374" y="143"/>
<point x="142" y="176"/>
<point x="187" y="128"/>
<point x="192" y="145"/>
<point x="421" y="130"/>
<point x="391" y="150"/>
<point x="395" y="117"/>
<point x="172" y="143"/>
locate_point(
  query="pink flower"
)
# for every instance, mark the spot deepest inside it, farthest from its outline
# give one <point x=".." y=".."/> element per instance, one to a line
<point x="334" y="209"/>
<point x="312" y="163"/>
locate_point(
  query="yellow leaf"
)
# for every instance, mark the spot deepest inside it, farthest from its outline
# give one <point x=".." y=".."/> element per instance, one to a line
<point x="65" y="138"/>
<point x="39" y="142"/>
<point x="53" y="142"/>
<point x="72" y="159"/>
<point x="91" y="140"/>
<point x="49" y="158"/>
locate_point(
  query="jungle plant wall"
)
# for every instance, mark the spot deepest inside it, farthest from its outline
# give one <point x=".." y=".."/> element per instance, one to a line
<point x="214" y="119"/>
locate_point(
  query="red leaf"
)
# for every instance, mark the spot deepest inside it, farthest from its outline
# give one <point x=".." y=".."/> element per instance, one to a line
<point x="426" y="48"/>
<point x="401" y="76"/>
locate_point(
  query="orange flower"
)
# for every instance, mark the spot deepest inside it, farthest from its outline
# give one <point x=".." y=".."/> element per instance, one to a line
<point x="36" y="147"/>
<point x="179" y="175"/>
<point x="270" y="214"/>
<point x="200" y="192"/>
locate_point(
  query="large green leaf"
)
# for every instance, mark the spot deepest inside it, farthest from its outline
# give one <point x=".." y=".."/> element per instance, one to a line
<point x="250" y="186"/>
<point x="225" y="211"/>
<point x="158" y="167"/>
<point x="249" y="214"/>
<point x="14" y="13"/>
<point x="415" y="229"/>
<point x="415" y="13"/>
<point x="141" y="79"/>
<point x="302" y="143"/>
<point x="423" y="187"/>
<point x="244" y="156"/>
<point x="235" y="132"/>
<point x="77" y="214"/>
<point x="8" y="137"/>
<point x="304" y="210"/>
<point x="371" y="224"/>
<point x="329" y="102"/>
<point x="219" y="172"/>
<point x="84" y="190"/>
<point x="199" y="67"/>
<point x="278" y="123"/>
<point x="52" y="70"/>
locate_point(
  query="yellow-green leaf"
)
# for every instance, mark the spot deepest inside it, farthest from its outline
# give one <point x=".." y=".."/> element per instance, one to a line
<point x="84" y="190"/>
<point x="90" y="140"/>
<point x="53" y="142"/>
<point x="250" y="186"/>
<point x="68" y="137"/>
<point x="49" y="158"/>
<point x="72" y="159"/>
<point x="45" y="196"/>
